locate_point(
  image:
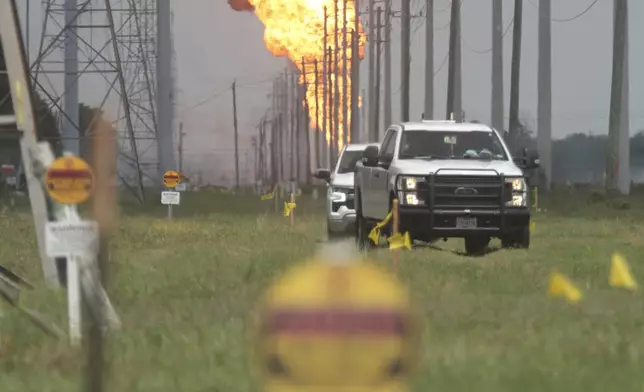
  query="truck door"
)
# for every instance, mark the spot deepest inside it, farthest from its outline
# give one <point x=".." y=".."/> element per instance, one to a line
<point x="381" y="174"/>
<point x="373" y="195"/>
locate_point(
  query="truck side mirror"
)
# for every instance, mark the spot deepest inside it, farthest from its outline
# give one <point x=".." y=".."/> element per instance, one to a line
<point x="529" y="159"/>
<point x="323" y="174"/>
<point x="370" y="156"/>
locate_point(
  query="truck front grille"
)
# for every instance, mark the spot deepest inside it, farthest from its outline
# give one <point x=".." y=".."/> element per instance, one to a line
<point x="468" y="191"/>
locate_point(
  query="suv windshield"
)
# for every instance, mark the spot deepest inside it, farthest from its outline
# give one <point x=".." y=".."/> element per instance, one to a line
<point x="349" y="160"/>
<point x="451" y="145"/>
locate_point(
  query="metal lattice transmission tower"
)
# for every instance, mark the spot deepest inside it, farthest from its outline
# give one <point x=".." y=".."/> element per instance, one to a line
<point x="114" y="70"/>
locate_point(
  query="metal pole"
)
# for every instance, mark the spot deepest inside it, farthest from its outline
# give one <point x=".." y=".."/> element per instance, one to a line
<point x="355" y="75"/>
<point x="458" y="92"/>
<point x="405" y="58"/>
<point x="376" y="113"/>
<point x="387" y="43"/>
<point x="236" y="136"/>
<point x="372" y="62"/>
<point x="515" y="73"/>
<point x="451" y="67"/>
<point x="544" y="86"/>
<point x="497" y="64"/>
<point x="70" y="134"/>
<point x="331" y="111"/>
<point x="336" y="76"/>
<point x="623" y="153"/>
<point x="617" y="93"/>
<point x="428" y="112"/>
<point x="164" y="88"/>
<point x="325" y="86"/>
<point x="345" y="77"/>
<point x="293" y="111"/>
<point x="317" y="129"/>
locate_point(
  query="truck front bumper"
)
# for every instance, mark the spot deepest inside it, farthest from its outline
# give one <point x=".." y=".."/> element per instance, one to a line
<point x="423" y="223"/>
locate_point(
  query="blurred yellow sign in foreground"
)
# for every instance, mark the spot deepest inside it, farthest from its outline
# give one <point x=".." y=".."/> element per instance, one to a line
<point x="327" y="327"/>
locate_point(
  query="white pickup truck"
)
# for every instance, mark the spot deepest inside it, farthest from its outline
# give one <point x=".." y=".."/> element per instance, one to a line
<point x="452" y="180"/>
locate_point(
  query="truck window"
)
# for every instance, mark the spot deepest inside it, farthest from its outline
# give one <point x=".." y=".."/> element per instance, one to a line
<point x="349" y="160"/>
<point x="389" y="144"/>
<point x="451" y="145"/>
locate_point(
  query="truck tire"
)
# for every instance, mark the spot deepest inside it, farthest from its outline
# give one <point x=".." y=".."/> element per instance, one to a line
<point x="362" y="228"/>
<point x="519" y="239"/>
<point x="476" y="245"/>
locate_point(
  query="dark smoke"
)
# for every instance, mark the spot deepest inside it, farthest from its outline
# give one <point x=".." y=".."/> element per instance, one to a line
<point x="241" y="5"/>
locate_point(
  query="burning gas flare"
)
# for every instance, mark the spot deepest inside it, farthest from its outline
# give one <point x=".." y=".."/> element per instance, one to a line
<point x="295" y="28"/>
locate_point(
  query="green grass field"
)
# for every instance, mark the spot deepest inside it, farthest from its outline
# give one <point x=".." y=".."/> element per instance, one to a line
<point x="184" y="289"/>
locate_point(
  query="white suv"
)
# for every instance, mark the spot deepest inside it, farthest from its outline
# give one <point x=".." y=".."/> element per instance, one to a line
<point x="340" y="210"/>
<point x="452" y="180"/>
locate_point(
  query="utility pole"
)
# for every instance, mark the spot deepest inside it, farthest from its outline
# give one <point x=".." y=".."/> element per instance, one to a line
<point x="497" y="64"/>
<point x="371" y="38"/>
<point x="345" y="77"/>
<point x="387" y="43"/>
<point x="273" y="148"/>
<point x="317" y="129"/>
<point x="70" y="134"/>
<point x="355" y="75"/>
<point x="624" y="167"/>
<point x="236" y="135"/>
<point x="336" y="74"/>
<point x="181" y="135"/>
<point x="428" y="113"/>
<point x="544" y="85"/>
<point x="306" y="120"/>
<point x="376" y="113"/>
<point x="165" y="150"/>
<point x="458" y="71"/>
<point x="332" y="138"/>
<point x="451" y="72"/>
<point x="617" y="94"/>
<point x="293" y="128"/>
<point x="285" y="123"/>
<point x="515" y="74"/>
<point x="405" y="58"/>
<point x="325" y="100"/>
<point x="363" y="124"/>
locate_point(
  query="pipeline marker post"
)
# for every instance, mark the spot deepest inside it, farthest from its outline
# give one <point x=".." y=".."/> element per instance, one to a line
<point x="69" y="181"/>
<point x="394" y="225"/>
<point x="171" y="197"/>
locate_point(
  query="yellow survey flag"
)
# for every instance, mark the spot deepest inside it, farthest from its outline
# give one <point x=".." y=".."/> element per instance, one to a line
<point x="560" y="286"/>
<point x="620" y="274"/>
<point x="374" y="234"/>
<point x="288" y="208"/>
<point x="399" y="240"/>
<point x="268" y="196"/>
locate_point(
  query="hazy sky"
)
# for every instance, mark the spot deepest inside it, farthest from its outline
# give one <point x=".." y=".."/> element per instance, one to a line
<point x="581" y="66"/>
<point x="216" y="45"/>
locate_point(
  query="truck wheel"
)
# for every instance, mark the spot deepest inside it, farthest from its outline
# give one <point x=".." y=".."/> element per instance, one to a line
<point x="519" y="239"/>
<point x="476" y="245"/>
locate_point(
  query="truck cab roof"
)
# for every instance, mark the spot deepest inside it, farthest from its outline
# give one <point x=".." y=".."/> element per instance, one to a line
<point x="444" y="125"/>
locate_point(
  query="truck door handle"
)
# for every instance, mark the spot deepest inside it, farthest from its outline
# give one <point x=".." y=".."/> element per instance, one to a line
<point x="377" y="175"/>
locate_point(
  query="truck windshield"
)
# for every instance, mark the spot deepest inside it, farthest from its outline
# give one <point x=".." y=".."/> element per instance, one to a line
<point x="348" y="161"/>
<point x="451" y="145"/>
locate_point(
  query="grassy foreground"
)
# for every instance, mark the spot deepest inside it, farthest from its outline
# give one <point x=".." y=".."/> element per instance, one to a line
<point x="184" y="288"/>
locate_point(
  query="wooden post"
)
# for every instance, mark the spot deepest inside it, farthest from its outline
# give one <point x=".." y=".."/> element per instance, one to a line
<point x="394" y="225"/>
<point x="105" y="213"/>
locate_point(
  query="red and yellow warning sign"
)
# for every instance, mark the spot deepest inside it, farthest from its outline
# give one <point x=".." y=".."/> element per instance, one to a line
<point x="171" y="178"/>
<point x="340" y="328"/>
<point x="69" y="180"/>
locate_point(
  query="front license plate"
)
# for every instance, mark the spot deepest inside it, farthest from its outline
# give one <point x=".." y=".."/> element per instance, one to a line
<point x="465" y="222"/>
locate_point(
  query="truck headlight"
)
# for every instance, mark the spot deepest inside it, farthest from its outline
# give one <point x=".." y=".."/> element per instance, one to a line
<point x="408" y="183"/>
<point x="519" y="190"/>
<point x="339" y="195"/>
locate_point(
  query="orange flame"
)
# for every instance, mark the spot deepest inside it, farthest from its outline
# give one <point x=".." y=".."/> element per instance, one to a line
<point x="295" y="28"/>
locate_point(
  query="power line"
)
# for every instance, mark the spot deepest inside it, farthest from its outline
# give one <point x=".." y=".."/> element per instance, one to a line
<point x="478" y="51"/>
<point x="579" y="15"/>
